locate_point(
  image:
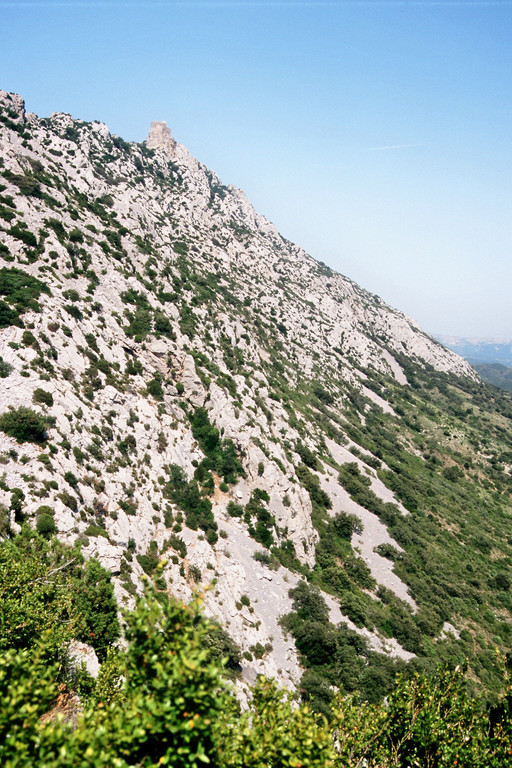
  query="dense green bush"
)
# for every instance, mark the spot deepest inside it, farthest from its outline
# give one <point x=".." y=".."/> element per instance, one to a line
<point x="21" y="290"/>
<point x="426" y="722"/>
<point x="28" y="339"/>
<point x="8" y="316"/>
<point x="256" y="509"/>
<point x="189" y="497"/>
<point x="222" y="648"/>
<point x="234" y="510"/>
<point x="163" y="699"/>
<point x="149" y="561"/>
<point x="20" y="233"/>
<point x="50" y="595"/>
<point x="311" y="483"/>
<point x="45" y="525"/>
<point x="155" y="388"/>
<point x="140" y="323"/>
<point x="307" y="456"/>
<point x="309" y="603"/>
<point x="26" y="183"/>
<point x="221" y="455"/>
<point x="5" y="368"/>
<point x="42" y="396"/>
<point x="24" y="424"/>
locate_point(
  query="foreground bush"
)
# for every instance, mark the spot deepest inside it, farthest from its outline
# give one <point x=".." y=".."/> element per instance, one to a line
<point x="173" y="708"/>
<point x="50" y="595"/>
<point x="164" y="701"/>
<point x="427" y="723"/>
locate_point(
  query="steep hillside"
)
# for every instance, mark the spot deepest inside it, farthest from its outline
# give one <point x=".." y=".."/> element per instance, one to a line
<point x="180" y="381"/>
<point x="496" y="374"/>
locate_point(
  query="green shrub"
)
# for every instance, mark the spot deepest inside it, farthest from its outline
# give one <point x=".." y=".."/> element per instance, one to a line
<point x="221" y="646"/>
<point x="312" y="484"/>
<point x="8" y="316"/>
<point x="72" y="134"/>
<point x="163" y="325"/>
<point x="6" y="214"/>
<point x="221" y="455"/>
<point x="161" y="700"/>
<point x="28" y="339"/>
<point x="24" y="424"/>
<point x="24" y="235"/>
<point x="181" y="248"/>
<point x="17" y="499"/>
<point x="42" y="396"/>
<point x="309" y="603"/>
<point x="74" y="311"/>
<point x="194" y="573"/>
<point x="140" y="323"/>
<point x="190" y="498"/>
<point x="452" y="473"/>
<point x="44" y="509"/>
<point x="70" y="478"/>
<point x="27" y="184"/>
<point x="149" y="561"/>
<point x="178" y="544"/>
<point x="94" y="530"/>
<point x="155" y="389"/>
<point x="75" y="236"/>
<point x="68" y="500"/>
<point x="45" y="525"/>
<point x="58" y="228"/>
<point x="20" y="289"/>
<point x="234" y="510"/>
<point x="5" y="368"/>
<point x="263" y="557"/>
<point x="307" y="456"/>
<point x="49" y="594"/>
<point x="427" y="722"/>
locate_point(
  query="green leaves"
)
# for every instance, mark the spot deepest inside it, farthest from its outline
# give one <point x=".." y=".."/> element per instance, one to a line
<point x="163" y="701"/>
<point x="426" y="722"/>
<point x="275" y="733"/>
<point x="24" y="424"/>
<point x="27" y="688"/>
<point x="48" y="595"/>
<point x="21" y="289"/>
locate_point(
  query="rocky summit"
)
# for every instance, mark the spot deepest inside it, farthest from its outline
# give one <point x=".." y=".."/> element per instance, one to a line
<point x="181" y="384"/>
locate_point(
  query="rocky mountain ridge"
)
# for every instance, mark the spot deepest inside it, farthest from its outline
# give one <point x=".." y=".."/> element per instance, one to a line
<point x="206" y="382"/>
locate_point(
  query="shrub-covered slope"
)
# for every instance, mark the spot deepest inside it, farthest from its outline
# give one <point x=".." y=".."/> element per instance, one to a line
<point x="162" y="698"/>
<point x="178" y="381"/>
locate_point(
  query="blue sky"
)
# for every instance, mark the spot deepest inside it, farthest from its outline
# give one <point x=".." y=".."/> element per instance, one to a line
<point x="377" y="135"/>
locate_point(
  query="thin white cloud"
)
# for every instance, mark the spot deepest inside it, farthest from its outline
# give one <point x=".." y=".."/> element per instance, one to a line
<point x="391" y="146"/>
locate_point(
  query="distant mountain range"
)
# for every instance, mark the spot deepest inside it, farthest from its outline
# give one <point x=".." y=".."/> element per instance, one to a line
<point x="480" y="350"/>
<point x="491" y="358"/>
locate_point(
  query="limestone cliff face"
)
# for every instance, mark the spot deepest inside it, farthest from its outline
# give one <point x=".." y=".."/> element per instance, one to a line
<point x="168" y="293"/>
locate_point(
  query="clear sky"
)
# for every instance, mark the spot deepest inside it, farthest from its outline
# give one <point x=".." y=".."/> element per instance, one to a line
<point x="377" y="135"/>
